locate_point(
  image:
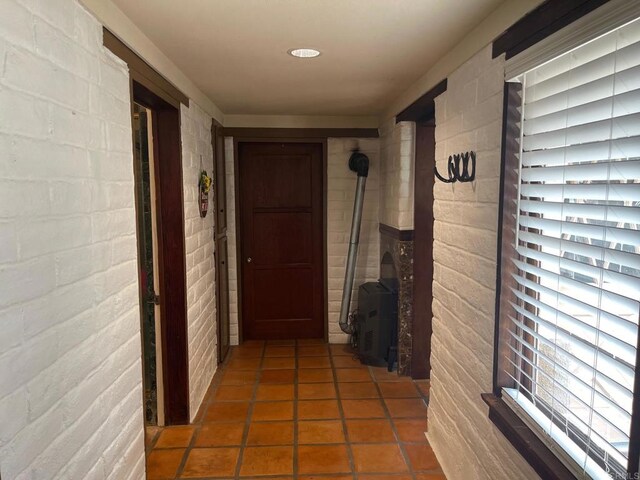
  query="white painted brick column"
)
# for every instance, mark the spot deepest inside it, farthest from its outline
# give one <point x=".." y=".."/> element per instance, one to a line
<point x="397" y="163"/>
<point x="197" y="154"/>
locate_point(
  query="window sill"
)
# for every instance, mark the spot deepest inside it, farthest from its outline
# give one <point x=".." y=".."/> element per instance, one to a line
<point x="525" y="441"/>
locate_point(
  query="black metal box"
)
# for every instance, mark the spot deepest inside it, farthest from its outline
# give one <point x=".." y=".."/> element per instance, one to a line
<point x="376" y="327"/>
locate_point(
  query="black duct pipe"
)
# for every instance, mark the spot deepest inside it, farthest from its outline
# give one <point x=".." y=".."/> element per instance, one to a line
<point x="359" y="163"/>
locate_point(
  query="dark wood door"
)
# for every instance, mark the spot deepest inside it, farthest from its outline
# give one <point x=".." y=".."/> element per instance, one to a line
<point x="222" y="267"/>
<point x="281" y="232"/>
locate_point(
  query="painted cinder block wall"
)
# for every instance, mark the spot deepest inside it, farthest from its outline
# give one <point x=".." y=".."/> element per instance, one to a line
<point x="468" y="117"/>
<point x="397" y="150"/>
<point x="341" y="184"/>
<point x="70" y="349"/>
<point x="197" y="155"/>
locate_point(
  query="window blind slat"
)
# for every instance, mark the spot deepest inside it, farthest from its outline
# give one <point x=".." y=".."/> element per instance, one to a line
<point x="614" y="214"/>
<point x="617" y="106"/>
<point x="591" y="151"/>
<point x="583" y="390"/>
<point x="619" y="393"/>
<point x="603" y="300"/>
<point x="612" y="192"/>
<point x="600" y="88"/>
<point x="619" y="127"/>
<point x="579" y="307"/>
<point x="605" y="279"/>
<point x="592" y="253"/>
<point x="595" y="233"/>
<point x="612" y="335"/>
<point x="621" y="374"/>
<point x="614" y="171"/>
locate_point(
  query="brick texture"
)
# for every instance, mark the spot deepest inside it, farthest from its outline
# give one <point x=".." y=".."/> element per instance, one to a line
<point x="197" y="154"/>
<point x="231" y="242"/>
<point x="70" y="349"/>
<point x="397" y="147"/>
<point x="468" y="117"/>
<point x="341" y="183"/>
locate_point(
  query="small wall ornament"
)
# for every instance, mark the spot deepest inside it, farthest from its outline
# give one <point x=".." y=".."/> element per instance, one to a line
<point x="205" y="186"/>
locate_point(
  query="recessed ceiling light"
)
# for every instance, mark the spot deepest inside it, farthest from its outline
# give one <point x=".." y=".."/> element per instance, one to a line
<point x="304" y="52"/>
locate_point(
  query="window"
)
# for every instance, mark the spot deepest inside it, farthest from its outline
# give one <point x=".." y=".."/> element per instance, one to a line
<point x="570" y="262"/>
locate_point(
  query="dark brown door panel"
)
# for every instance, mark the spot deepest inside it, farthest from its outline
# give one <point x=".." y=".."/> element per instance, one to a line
<point x="281" y="240"/>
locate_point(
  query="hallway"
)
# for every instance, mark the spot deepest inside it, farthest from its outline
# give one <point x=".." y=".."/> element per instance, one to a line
<point x="304" y="409"/>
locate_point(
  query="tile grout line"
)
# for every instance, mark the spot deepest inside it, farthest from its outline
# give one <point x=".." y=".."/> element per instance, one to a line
<point x="210" y="398"/>
<point x="389" y="418"/>
<point x="296" y="366"/>
<point x="345" y="431"/>
<point x="199" y="418"/>
<point x="252" y="401"/>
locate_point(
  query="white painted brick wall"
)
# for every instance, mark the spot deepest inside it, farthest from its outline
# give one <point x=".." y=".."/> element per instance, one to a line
<point x="231" y="241"/>
<point x="397" y="151"/>
<point x="197" y="154"/>
<point x="341" y="184"/>
<point x="70" y="350"/>
<point x="468" y="117"/>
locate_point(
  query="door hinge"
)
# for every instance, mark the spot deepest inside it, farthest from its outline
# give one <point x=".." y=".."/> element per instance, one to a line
<point x="155" y="299"/>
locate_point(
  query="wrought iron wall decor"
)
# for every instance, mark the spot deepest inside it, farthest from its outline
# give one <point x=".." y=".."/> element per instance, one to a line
<point x="458" y="168"/>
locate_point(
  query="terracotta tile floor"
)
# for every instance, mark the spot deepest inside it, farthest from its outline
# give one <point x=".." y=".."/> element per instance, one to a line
<point x="300" y="410"/>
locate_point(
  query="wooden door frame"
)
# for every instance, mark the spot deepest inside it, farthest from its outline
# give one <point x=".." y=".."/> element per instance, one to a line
<point x="217" y="140"/>
<point x="171" y="252"/>
<point x="239" y="247"/>
<point x="152" y="90"/>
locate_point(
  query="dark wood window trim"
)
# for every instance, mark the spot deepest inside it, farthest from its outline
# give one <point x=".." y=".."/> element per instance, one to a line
<point x="143" y="73"/>
<point x="546" y="19"/>
<point x="423" y="109"/>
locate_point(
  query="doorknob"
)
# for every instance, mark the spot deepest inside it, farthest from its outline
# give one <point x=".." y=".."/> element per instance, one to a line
<point x="249" y="259"/>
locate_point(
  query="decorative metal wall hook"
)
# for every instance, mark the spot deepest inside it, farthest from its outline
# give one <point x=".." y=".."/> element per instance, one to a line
<point x="458" y="168"/>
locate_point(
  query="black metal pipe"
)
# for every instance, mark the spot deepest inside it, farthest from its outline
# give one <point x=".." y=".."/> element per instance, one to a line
<point x="359" y="163"/>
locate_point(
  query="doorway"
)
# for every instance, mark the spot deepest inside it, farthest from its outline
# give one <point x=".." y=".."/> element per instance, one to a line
<point x="161" y="256"/>
<point x="281" y="239"/>
<point x="221" y="255"/>
<point x="144" y="166"/>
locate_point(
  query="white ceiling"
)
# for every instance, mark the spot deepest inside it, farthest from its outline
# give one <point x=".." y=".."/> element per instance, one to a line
<point x="235" y="51"/>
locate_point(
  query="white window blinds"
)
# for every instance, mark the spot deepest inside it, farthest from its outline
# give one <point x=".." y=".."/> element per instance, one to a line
<point x="573" y="321"/>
